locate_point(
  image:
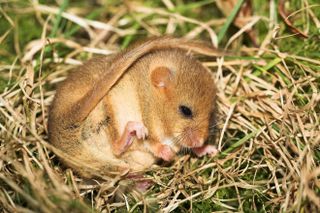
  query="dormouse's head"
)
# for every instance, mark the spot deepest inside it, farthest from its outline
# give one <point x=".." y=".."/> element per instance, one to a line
<point x="187" y="94"/>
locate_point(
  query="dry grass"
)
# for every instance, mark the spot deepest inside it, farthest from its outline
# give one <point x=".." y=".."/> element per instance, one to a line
<point x="268" y="127"/>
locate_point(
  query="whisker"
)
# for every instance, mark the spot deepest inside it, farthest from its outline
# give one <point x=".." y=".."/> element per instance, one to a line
<point x="177" y="139"/>
<point x="181" y="136"/>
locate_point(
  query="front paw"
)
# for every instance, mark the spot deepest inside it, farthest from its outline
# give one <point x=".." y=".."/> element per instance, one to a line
<point x="137" y="129"/>
<point x="205" y="150"/>
<point x="132" y="129"/>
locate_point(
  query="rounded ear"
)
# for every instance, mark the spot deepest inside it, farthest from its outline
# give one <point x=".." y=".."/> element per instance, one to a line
<point x="161" y="77"/>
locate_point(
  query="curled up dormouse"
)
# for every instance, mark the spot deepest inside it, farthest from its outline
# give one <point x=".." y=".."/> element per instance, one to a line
<point x="121" y="113"/>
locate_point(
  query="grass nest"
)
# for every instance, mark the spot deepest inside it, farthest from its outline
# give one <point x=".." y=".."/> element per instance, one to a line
<point x="268" y="127"/>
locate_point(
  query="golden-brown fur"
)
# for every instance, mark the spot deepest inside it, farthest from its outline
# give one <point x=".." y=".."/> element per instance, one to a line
<point x="93" y="104"/>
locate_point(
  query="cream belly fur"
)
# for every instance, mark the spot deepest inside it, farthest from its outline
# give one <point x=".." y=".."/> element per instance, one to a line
<point x="137" y="157"/>
<point x="125" y="106"/>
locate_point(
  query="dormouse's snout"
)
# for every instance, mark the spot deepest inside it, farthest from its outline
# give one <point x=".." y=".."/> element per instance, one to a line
<point x="195" y="131"/>
<point x="194" y="138"/>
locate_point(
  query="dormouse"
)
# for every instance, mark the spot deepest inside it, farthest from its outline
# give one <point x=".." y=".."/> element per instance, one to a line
<point x="122" y="112"/>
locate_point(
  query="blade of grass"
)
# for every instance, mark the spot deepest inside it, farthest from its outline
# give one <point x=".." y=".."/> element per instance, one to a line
<point x="91" y="15"/>
<point x="272" y="63"/>
<point x="229" y="20"/>
<point x="265" y="68"/>
<point x="57" y="21"/>
<point x="249" y="58"/>
<point x="129" y="38"/>
<point x="238" y="143"/>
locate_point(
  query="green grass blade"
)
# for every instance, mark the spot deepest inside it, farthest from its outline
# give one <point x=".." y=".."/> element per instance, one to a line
<point x="92" y="15"/>
<point x="129" y="38"/>
<point x="57" y="21"/>
<point x="239" y="143"/>
<point x="229" y="20"/>
<point x="272" y="63"/>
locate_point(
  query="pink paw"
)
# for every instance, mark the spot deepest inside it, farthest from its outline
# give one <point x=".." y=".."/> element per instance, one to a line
<point x="141" y="183"/>
<point x="132" y="129"/>
<point x="205" y="150"/>
<point x="165" y="152"/>
<point x="144" y="185"/>
<point x="137" y="129"/>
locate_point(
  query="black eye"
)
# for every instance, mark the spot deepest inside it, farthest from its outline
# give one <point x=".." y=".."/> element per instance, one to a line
<point x="185" y="111"/>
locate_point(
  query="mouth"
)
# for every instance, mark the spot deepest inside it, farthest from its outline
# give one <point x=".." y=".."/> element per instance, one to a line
<point x="169" y="142"/>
